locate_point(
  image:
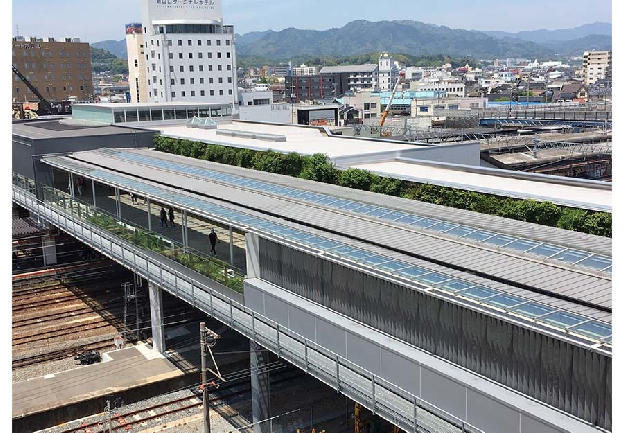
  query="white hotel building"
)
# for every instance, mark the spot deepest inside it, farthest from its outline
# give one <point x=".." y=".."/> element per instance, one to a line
<point x="189" y="54"/>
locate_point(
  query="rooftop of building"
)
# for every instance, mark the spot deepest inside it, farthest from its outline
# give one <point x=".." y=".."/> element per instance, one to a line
<point x="108" y="105"/>
<point x="397" y="159"/>
<point x="64" y="127"/>
<point x="46" y="39"/>
<point x="303" y="140"/>
<point x="348" y="68"/>
<point x="579" y="193"/>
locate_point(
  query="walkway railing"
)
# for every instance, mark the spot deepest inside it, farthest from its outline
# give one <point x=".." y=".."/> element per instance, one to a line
<point x="202" y="263"/>
<point x="392" y="403"/>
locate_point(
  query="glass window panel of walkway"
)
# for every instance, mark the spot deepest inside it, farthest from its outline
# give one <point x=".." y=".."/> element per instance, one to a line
<point x="185" y="240"/>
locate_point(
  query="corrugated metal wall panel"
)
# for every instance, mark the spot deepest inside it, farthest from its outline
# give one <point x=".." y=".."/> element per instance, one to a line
<point x="567" y="377"/>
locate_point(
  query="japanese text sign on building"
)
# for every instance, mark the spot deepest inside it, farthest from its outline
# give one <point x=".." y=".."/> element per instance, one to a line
<point x="205" y="4"/>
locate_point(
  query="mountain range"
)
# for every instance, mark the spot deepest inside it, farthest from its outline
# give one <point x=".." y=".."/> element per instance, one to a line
<point x="414" y="38"/>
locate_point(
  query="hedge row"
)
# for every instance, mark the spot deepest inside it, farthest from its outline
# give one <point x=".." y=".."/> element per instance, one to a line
<point x="318" y="168"/>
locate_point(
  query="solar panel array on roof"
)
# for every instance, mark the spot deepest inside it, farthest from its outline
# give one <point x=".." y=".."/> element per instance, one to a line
<point x="543" y="249"/>
<point x="416" y="276"/>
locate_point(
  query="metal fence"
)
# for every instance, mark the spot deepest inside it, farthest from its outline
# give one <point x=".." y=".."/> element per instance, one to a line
<point x="381" y="397"/>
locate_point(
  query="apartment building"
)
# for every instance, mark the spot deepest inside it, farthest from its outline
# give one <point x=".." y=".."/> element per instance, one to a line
<point x="311" y="87"/>
<point x="450" y="87"/>
<point x="304" y="70"/>
<point x="59" y="69"/>
<point x="137" y="78"/>
<point x="597" y="66"/>
<point x="190" y="54"/>
<point x="388" y="73"/>
<point x="352" y="77"/>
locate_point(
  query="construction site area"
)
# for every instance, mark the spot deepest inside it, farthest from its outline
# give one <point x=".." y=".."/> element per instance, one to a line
<point x="515" y="141"/>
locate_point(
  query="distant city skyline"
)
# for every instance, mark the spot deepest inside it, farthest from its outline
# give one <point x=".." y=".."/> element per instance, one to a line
<point x="110" y="16"/>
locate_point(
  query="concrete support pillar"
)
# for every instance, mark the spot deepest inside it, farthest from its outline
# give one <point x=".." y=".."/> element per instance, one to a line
<point x="252" y="255"/>
<point x="118" y="204"/>
<point x="149" y="214"/>
<point x="261" y="395"/>
<point x="185" y="239"/>
<point x="93" y="192"/>
<point x="156" y="316"/>
<point x="48" y="249"/>
<point x="71" y="184"/>
<point x="231" y="248"/>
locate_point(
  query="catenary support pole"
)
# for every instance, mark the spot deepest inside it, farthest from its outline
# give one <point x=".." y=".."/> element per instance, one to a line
<point x="207" y="425"/>
<point x="260" y="386"/>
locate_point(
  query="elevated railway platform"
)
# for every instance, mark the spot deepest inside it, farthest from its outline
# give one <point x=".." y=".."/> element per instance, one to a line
<point x="502" y="304"/>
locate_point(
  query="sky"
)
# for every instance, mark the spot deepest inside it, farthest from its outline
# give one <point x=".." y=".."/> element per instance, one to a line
<point x="97" y="20"/>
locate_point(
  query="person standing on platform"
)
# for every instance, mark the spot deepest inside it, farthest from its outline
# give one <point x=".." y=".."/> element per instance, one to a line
<point x="212" y="237"/>
<point x="79" y="183"/>
<point x="171" y="216"/>
<point x="163" y="217"/>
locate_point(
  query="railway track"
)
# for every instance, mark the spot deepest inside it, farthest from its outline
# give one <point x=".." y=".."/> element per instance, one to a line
<point x="78" y="270"/>
<point x="58" y="333"/>
<point x="50" y="301"/>
<point x="56" y="355"/>
<point x="61" y="315"/>
<point x="130" y="419"/>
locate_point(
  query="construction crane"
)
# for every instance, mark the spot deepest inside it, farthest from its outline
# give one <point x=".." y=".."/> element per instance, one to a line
<point x="390" y="101"/>
<point x="47" y="107"/>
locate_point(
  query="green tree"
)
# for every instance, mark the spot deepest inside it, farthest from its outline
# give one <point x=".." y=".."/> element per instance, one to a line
<point x="572" y="219"/>
<point x="598" y="223"/>
<point x="269" y="161"/>
<point x="386" y="185"/>
<point x="119" y="66"/>
<point x="318" y="168"/>
<point x="355" y="178"/>
<point x="244" y="158"/>
<point x="293" y="164"/>
<point x="539" y="212"/>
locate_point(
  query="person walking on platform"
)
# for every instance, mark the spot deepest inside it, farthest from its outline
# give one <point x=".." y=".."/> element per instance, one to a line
<point x="212" y="237"/>
<point x="163" y="217"/>
<point x="171" y="216"/>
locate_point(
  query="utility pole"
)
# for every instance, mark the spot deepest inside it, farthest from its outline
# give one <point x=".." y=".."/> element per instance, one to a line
<point x="207" y="424"/>
<point x="107" y="410"/>
<point x="126" y="290"/>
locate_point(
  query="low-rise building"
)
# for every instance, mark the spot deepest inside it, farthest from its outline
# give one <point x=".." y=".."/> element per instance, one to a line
<point x="449" y="87"/>
<point x="252" y="97"/>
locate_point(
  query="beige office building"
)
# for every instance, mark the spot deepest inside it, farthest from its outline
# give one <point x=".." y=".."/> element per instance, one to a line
<point x="60" y="70"/>
<point x="597" y="66"/>
<point x="137" y="78"/>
